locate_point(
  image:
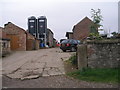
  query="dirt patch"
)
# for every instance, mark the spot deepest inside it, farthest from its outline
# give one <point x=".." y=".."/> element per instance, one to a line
<point x="69" y="67"/>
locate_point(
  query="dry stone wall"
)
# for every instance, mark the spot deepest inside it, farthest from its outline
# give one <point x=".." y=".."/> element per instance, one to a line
<point x="101" y="54"/>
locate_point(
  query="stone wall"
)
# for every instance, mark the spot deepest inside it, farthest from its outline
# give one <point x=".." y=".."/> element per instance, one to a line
<point x="103" y="53"/>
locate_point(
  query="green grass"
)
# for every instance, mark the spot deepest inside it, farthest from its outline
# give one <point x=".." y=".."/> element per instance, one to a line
<point x="97" y="75"/>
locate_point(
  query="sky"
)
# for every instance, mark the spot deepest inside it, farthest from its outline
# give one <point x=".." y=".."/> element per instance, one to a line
<point x="61" y="15"/>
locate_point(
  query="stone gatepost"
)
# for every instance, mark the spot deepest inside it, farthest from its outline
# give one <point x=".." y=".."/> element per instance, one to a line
<point x="82" y="56"/>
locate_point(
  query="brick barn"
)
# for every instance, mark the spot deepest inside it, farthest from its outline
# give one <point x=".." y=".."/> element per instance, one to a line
<point x="31" y="42"/>
<point x="20" y="39"/>
<point x="82" y="29"/>
<point x="17" y="36"/>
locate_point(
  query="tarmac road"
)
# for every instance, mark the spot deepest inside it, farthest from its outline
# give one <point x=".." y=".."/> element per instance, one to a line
<point x="60" y="81"/>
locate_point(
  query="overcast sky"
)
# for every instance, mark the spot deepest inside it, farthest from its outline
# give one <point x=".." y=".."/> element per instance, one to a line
<point x="61" y="15"/>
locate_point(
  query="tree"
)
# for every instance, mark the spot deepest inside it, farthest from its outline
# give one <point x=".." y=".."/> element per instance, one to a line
<point x="97" y="18"/>
<point x="96" y="15"/>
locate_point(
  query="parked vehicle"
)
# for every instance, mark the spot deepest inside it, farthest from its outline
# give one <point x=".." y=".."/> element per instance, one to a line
<point x="69" y="44"/>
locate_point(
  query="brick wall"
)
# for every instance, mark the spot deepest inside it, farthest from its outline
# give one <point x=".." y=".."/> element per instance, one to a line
<point x="69" y="35"/>
<point x="29" y="36"/>
<point x="30" y="42"/>
<point x="2" y="33"/>
<point x="37" y="44"/>
<point x="82" y="29"/>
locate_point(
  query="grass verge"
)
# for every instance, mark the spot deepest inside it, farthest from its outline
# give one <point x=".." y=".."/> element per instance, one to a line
<point x="105" y="75"/>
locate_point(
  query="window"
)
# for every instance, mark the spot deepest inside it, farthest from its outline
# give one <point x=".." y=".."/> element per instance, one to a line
<point x="41" y="26"/>
<point x="41" y="20"/>
<point x="31" y="21"/>
<point x="31" y="26"/>
<point x="4" y="45"/>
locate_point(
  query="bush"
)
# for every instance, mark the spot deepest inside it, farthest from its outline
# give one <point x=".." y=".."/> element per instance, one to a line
<point x="73" y="59"/>
<point x="95" y="36"/>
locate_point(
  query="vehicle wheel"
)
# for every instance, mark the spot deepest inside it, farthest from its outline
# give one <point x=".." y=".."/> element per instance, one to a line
<point x="64" y="50"/>
<point x="73" y="49"/>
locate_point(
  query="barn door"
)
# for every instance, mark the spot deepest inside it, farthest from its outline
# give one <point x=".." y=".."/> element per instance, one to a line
<point x="14" y="42"/>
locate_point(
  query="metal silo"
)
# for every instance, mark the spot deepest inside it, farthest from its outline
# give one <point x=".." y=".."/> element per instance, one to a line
<point x="42" y="29"/>
<point x="32" y="26"/>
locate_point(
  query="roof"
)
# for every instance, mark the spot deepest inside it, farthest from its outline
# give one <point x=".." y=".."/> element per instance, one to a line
<point x="42" y="17"/>
<point x="50" y="30"/>
<point x="67" y="33"/>
<point x="30" y="34"/>
<point x="32" y="17"/>
<point x="86" y="18"/>
<point x="5" y="39"/>
<point x="14" y="25"/>
<point x="1" y="27"/>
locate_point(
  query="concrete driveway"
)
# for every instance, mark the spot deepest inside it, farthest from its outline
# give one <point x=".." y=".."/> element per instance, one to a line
<point x="33" y="64"/>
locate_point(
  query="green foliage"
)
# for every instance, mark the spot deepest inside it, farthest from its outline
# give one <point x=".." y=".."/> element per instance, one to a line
<point x="93" y="29"/>
<point x="97" y="18"/>
<point x="106" y="75"/>
<point x="73" y="59"/>
<point x="96" y="15"/>
<point x="95" y="36"/>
